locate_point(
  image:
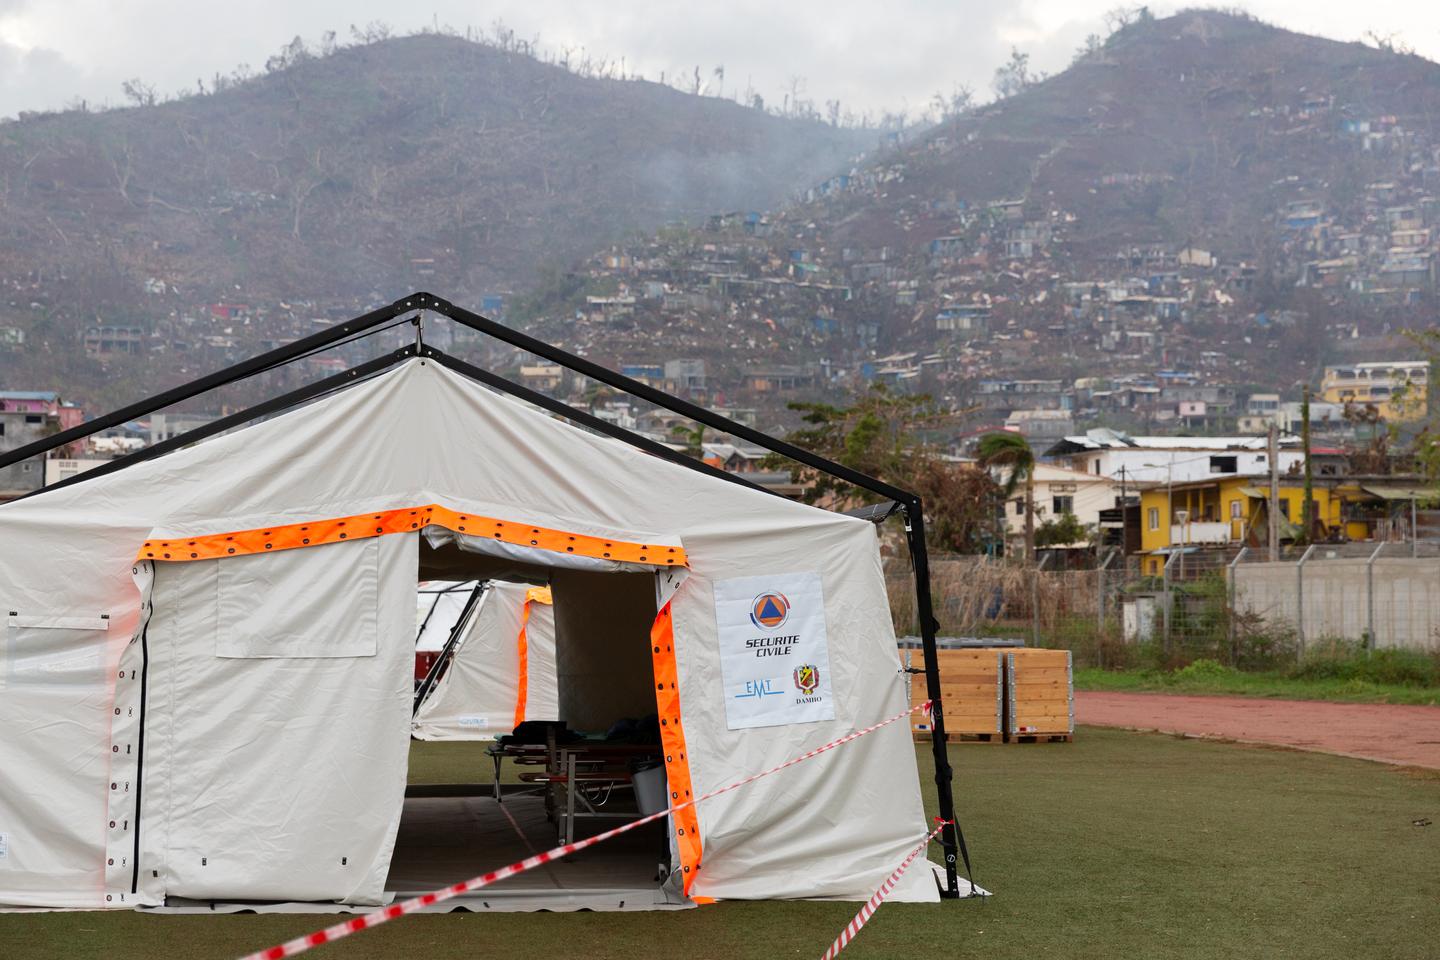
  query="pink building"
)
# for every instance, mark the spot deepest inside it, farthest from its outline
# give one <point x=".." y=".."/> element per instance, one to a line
<point x="43" y="402"/>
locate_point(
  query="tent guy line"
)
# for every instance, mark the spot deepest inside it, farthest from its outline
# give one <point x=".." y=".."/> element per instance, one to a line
<point x="299" y="945"/>
<point x="852" y="929"/>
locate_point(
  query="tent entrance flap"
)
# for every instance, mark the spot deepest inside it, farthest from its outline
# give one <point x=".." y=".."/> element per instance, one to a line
<point x="270" y="705"/>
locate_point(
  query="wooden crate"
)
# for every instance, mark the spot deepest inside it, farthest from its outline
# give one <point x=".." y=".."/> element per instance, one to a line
<point x="1039" y="695"/>
<point x="971" y="689"/>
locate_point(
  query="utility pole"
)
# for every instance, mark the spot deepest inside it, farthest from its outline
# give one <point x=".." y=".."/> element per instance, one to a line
<point x="1124" y="512"/>
<point x="1272" y="510"/>
<point x="1307" y="507"/>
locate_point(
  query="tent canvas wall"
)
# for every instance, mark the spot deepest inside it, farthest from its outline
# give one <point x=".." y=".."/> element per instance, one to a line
<point x="112" y="796"/>
<point x="507" y="635"/>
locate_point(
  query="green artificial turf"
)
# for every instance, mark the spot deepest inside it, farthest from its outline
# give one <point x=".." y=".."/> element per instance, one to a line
<point x="1226" y="682"/>
<point x="1117" y="845"/>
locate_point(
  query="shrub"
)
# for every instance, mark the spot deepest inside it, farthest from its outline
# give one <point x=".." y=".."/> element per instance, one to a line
<point x="1202" y="670"/>
<point x="1262" y="645"/>
<point x="1343" y="661"/>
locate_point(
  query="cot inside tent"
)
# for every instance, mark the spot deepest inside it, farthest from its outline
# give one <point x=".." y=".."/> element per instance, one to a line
<point x="206" y="677"/>
<point x="497" y="670"/>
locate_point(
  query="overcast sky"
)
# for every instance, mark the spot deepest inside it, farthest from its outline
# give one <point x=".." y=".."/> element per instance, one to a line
<point x="870" y="55"/>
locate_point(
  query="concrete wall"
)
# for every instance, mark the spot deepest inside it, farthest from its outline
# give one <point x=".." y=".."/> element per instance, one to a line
<point x="15" y="432"/>
<point x="1336" y="602"/>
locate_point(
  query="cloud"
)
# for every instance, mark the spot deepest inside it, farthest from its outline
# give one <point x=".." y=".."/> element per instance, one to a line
<point x="37" y="78"/>
<point x="867" y="55"/>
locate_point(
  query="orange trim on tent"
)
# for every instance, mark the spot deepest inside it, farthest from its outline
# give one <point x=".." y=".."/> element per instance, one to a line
<point x="522" y="645"/>
<point x="672" y="739"/>
<point x="404" y="520"/>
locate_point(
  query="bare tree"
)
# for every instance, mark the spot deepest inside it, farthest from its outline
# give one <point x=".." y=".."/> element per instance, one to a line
<point x="953" y="105"/>
<point x="139" y="92"/>
<point x="373" y="32"/>
<point x="1118" y="18"/>
<point x="1390" y="43"/>
<point x="315" y="176"/>
<point x="122" y="166"/>
<point x="1014" y="75"/>
<point x="292" y="53"/>
<point x="1092" y="45"/>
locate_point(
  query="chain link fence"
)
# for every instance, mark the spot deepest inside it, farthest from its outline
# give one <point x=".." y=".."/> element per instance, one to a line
<point x="1074" y="604"/>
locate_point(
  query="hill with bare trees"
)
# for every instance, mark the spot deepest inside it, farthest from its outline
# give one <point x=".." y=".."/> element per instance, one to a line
<point x="357" y="172"/>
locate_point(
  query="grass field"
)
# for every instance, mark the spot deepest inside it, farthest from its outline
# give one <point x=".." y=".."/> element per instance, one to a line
<point x="1118" y="845"/>
<point x="1255" y="684"/>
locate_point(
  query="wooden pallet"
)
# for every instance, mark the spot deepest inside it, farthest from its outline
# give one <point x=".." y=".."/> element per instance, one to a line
<point x="971" y="690"/>
<point x="1041" y="738"/>
<point x="923" y="736"/>
<point x="1039" y="696"/>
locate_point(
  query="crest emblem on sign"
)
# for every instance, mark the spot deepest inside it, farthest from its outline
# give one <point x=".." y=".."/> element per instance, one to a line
<point x="769" y="610"/>
<point x="807" y="678"/>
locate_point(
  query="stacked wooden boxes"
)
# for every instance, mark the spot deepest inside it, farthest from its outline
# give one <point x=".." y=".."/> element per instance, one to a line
<point x="1039" y="695"/>
<point x="971" y="689"/>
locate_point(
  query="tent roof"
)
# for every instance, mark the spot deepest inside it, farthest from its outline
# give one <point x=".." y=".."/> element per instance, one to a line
<point x="418" y="434"/>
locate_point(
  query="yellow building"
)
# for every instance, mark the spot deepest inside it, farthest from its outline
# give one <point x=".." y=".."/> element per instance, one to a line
<point x="1397" y="389"/>
<point x="1230" y="511"/>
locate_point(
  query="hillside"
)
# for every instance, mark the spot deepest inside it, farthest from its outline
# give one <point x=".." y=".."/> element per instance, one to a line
<point x="1193" y="129"/>
<point x="1203" y="207"/>
<point x="353" y="177"/>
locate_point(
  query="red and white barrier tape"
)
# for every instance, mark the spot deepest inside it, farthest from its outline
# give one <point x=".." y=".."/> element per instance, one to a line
<point x="868" y="910"/>
<point x="365" y="921"/>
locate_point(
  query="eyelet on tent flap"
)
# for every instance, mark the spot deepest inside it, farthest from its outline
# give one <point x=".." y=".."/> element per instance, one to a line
<point x="404" y="520"/>
<point x="672" y="738"/>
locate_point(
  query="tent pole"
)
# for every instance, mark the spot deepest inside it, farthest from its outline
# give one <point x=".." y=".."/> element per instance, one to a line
<point x="239" y="371"/>
<point x="944" y="775"/>
<point x="281" y="402"/>
<point x="660" y="398"/>
<point x="432" y="676"/>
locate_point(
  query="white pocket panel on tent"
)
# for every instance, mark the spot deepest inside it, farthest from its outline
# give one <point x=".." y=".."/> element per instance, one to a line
<point x="52" y="651"/>
<point x="314" y="602"/>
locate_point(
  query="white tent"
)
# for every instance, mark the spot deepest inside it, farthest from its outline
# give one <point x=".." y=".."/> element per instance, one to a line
<point x="501" y="668"/>
<point x="438" y="607"/>
<point x="204" y="693"/>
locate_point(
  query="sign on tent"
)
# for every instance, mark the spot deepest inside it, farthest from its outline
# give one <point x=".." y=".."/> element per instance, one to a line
<point x="774" y="655"/>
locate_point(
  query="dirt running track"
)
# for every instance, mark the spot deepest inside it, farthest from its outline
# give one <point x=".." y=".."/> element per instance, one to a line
<point x="1371" y="731"/>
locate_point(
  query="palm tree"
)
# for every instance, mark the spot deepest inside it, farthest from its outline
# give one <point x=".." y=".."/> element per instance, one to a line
<point x="1011" y="453"/>
<point x="693" y="438"/>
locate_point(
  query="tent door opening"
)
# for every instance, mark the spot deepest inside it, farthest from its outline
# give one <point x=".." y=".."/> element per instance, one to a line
<point x="594" y="761"/>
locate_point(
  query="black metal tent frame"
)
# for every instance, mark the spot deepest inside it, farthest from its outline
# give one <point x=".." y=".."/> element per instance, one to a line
<point x="902" y="501"/>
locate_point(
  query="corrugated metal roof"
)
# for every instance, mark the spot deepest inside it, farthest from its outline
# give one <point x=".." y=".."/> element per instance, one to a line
<point x="1401" y="493"/>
